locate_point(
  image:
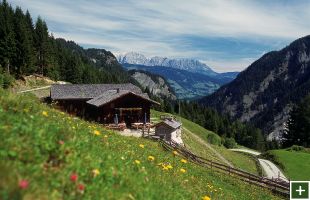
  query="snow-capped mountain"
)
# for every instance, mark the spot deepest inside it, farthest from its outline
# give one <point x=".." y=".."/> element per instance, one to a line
<point x="190" y="65"/>
<point x="132" y="58"/>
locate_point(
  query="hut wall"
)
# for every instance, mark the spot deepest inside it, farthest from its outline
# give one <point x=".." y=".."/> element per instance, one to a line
<point x="74" y="107"/>
<point x="176" y="135"/>
<point x="164" y="132"/>
<point x="107" y="112"/>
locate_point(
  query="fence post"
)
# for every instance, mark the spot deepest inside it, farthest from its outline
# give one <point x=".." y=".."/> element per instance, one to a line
<point x="229" y="170"/>
<point x="211" y="164"/>
<point x="275" y="187"/>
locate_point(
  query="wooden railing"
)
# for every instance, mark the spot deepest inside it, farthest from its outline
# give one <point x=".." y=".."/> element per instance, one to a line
<point x="277" y="186"/>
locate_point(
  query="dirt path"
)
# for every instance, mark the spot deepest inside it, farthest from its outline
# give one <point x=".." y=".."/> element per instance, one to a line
<point x="247" y="151"/>
<point x="34" y="89"/>
<point x="269" y="168"/>
<point x="207" y="145"/>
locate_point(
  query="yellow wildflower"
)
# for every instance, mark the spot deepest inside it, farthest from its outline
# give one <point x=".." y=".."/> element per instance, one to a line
<point x="183" y="161"/>
<point x="96" y="172"/>
<point x="182" y="170"/>
<point x="105" y="136"/>
<point x="165" y="167"/>
<point x="44" y="113"/>
<point x="96" y="132"/>
<point x="175" y="153"/>
<point x="206" y="198"/>
<point x="137" y="162"/>
<point x="141" y="145"/>
<point x="151" y="158"/>
<point x="169" y="166"/>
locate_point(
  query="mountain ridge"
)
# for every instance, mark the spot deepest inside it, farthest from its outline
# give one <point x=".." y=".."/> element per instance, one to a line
<point x="191" y="65"/>
<point x="156" y="85"/>
<point x="264" y="93"/>
<point x="189" y="78"/>
<point x="186" y="85"/>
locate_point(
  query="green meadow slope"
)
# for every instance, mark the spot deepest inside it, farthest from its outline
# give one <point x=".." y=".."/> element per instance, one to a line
<point x="238" y="160"/>
<point x="47" y="154"/>
<point x="294" y="164"/>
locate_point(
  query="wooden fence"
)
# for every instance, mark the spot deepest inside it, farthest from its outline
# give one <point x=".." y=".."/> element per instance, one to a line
<point x="275" y="185"/>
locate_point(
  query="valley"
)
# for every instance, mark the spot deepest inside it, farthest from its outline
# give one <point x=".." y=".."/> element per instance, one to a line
<point x="189" y="79"/>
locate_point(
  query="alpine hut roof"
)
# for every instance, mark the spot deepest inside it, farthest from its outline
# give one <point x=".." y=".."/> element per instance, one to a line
<point x="111" y="95"/>
<point x="96" y="94"/>
<point x="87" y="91"/>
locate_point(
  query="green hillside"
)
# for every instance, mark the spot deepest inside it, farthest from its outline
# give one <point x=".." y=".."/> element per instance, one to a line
<point x="295" y="164"/>
<point x="46" y="154"/>
<point x="239" y="160"/>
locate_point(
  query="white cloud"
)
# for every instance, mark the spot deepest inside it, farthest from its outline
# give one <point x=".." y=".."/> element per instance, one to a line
<point x="151" y="27"/>
<point x="232" y="65"/>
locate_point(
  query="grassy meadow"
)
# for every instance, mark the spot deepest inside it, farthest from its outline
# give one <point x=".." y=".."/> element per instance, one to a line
<point x="239" y="160"/>
<point x="47" y="154"/>
<point x="295" y="164"/>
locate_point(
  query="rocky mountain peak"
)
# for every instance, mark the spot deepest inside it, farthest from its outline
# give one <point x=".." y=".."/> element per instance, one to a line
<point x="264" y="92"/>
<point x="190" y="65"/>
<point x="132" y="58"/>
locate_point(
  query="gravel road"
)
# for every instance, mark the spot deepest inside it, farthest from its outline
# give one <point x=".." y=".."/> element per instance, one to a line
<point x="269" y="168"/>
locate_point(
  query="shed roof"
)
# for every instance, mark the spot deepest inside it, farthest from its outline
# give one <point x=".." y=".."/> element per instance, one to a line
<point x="171" y="123"/>
<point x="111" y="95"/>
<point x="87" y="91"/>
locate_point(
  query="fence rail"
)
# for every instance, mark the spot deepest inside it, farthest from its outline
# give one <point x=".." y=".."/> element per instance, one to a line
<point x="277" y="186"/>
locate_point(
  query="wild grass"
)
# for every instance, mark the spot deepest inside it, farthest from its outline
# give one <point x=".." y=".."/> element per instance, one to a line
<point x="47" y="154"/>
<point x="239" y="160"/>
<point x="295" y="164"/>
<point x="203" y="133"/>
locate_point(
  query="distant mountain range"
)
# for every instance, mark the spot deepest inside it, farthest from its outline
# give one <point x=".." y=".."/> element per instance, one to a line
<point x="190" y="79"/>
<point x="264" y="93"/>
<point x="190" y="65"/>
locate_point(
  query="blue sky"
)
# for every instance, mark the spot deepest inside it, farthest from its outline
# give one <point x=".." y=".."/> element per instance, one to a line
<point x="226" y="35"/>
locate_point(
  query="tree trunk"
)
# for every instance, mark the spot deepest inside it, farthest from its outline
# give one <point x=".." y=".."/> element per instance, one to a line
<point x="8" y="67"/>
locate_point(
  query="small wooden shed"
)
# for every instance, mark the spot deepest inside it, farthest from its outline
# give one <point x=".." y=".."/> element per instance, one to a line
<point x="169" y="130"/>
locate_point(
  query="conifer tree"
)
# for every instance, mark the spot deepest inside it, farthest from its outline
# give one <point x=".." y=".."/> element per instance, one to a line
<point x="42" y="45"/>
<point x="298" y="125"/>
<point x="7" y="37"/>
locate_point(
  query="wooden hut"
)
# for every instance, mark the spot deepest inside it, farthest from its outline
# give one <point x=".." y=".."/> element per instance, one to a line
<point x="169" y="130"/>
<point x="105" y="103"/>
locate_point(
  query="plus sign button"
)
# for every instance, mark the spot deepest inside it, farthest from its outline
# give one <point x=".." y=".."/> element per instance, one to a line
<point x="299" y="190"/>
